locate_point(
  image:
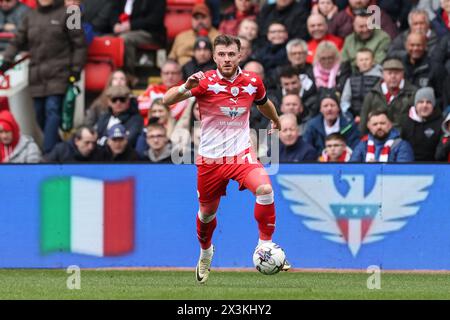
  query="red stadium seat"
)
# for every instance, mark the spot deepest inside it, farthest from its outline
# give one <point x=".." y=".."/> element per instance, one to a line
<point x="105" y="54"/>
<point x="177" y="21"/>
<point x="190" y="3"/>
<point x="30" y="3"/>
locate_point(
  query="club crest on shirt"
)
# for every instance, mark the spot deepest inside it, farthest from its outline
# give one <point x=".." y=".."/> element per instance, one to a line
<point x="234" y="91"/>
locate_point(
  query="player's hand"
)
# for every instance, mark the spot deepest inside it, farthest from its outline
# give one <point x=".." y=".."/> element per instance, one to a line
<point x="194" y="80"/>
<point x="276" y="125"/>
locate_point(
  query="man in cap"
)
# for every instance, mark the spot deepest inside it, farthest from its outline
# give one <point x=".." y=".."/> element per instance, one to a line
<point x="392" y="93"/>
<point x="120" y="111"/>
<point x="117" y="148"/>
<point x="422" y="126"/>
<point x="202" y="59"/>
<point x="183" y="46"/>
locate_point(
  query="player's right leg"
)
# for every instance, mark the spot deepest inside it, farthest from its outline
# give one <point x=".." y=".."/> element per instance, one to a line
<point x="206" y="223"/>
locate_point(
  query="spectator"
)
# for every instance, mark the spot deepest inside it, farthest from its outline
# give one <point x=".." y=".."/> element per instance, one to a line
<point x="292" y="13"/>
<point x="100" y="105"/>
<point x="443" y="148"/>
<point x="11" y="16"/>
<point x="202" y="59"/>
<point x="82" y="147"/>
<point x="360" y="83"/>
<point x="248" y="29"/>
<point x="318" y="30"/>
<point x="291" y="83"/>
<point x="233" y="16"/>
<point x="342" y="23"/>
<point x="14" y="146"/>
<point x="98" y="13"/>
<point x="419" y="68"/>
<point x="297" y="52"/>
<point x="441" y="21"/>
<point x="392" y="93"/>
<point x="186" y="134"/>
<point x="246" y="52"/>
<point x="138" y="22"/>
<point x="326" y="65"/>
<point x="171" y="75"/>
<point x="422" y="126"/>
<point x="120" y="111"/>
<point x="430" y="6"/>
<point x="56" y="57"/>
<point x="336" y="150"/>
<point x="397" y="10"/>
<point x="418" y="23"/>
<point x="183" y="46"/>
<point x="327" y="8"/>
<point x="160" y="114"/>
<point x="292" y="147"/>
<point x="363" y="37"/>
<point x="160" y="147"/>
<point x="292" y="104"/>
<point x="328" y="121"/>
<point x="117" y="148"/>
<point x="383" y="143"/>
<point x="273" y="53"/>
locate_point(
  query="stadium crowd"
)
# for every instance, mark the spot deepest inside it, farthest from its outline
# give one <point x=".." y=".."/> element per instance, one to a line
<point x="348" y="90"/>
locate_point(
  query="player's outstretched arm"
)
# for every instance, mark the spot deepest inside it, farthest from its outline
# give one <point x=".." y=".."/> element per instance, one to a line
<point x="269" y="111"/>
<point x="180" y="93"/>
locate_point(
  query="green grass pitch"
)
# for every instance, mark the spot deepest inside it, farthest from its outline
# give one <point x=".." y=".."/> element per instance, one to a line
<point x="222" y="285"/>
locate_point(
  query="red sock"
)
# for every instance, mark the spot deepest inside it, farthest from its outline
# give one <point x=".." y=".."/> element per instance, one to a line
<point x="205" y="232"/>
<point x="265" y="216"/>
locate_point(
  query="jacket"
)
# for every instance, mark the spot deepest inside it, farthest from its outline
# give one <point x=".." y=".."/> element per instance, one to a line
<point x="443" y="148"/>
<point x="26" y="151"/>
<point x="315" y="132"/>
<point x="423" y="135"/>
<point x="56" y="51"/>
<point x="130" y="119"/>
<point x="438" y="24"/>
<point x="98" y="14"/>
<point x="401" y="149"/>
<point x="301" y="151"/>
<point x="397" y="47"/>
<point x="128" y="155"/>
<point x="396" y="109"/>
<point x="147" y="15"/>
<point x="67" y="151"/>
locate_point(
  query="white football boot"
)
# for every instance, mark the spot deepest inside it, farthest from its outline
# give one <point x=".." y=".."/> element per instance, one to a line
<point x="203" y="267"/>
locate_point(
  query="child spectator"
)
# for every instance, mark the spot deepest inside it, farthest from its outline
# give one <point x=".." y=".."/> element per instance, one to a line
<point x="360" y="83"/>
<point x="336" y="150"/>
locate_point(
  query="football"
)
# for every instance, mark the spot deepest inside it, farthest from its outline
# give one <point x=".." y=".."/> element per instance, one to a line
<point x="268" y="258"/>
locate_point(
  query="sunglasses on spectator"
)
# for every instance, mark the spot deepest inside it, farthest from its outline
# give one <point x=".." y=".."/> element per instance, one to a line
<point x="120" y="99"/>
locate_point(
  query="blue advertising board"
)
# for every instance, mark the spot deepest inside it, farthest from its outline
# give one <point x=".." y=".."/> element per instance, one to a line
<point x="328" y="216"/>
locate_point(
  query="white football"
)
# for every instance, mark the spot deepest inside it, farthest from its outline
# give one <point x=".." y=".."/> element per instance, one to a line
<point x="269" y="258"/>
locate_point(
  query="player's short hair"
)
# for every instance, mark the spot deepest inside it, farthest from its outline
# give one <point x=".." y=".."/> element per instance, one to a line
<point x="227" y="40"/>
<point x="335" y="136"/>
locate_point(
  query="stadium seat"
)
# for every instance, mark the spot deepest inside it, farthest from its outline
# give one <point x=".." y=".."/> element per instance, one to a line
<point x="177" y="20"/>
<point x="105" y="54"/>
<point x="190" y="3"/>
<point x="30" y="3"/>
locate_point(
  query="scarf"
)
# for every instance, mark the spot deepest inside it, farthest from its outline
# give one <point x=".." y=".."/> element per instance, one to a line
<point x="384" y="155"/>
<point x="390" y="96"/>
<point x="345" y="156"/>
<point x="324" y="77"/>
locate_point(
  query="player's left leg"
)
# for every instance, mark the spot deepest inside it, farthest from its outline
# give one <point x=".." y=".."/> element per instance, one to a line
<point x="258" y="182"/>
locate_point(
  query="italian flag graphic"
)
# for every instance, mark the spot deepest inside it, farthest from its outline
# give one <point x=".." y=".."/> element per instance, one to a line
<point x="87" y="216"/>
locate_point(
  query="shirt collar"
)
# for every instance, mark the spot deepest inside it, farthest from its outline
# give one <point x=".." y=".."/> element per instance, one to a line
<point x="221" y="77"/>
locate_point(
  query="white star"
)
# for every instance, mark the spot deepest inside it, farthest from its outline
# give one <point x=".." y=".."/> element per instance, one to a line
<point x="342" y="211"/>
<point x="253" y="79"/>
<point x="355" y="211"/>
<point x="249" y="89"/>
<point x="216" y="88"/>
<point x="368" y="211"/>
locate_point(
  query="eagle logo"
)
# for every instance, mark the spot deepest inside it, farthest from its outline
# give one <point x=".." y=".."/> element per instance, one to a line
<point x="356" y="218"/>
<point x="233" y="113"/>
